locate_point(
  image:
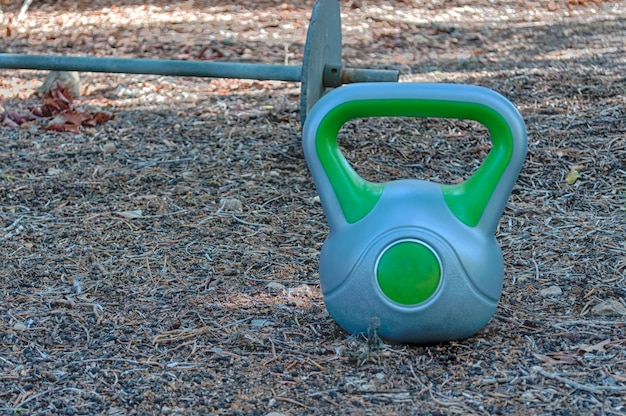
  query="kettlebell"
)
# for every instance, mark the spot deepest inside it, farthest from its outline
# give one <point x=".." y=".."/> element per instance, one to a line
<point x="415" y="261"/>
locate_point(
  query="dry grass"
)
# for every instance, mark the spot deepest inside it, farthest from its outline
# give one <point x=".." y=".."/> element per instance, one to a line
<point x="166" y="261"/>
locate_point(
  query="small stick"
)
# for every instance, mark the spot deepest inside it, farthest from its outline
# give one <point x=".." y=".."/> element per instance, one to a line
<point x="285" y="399"/>
<point x="23" y="10"/>
<point x="579" y="386"/>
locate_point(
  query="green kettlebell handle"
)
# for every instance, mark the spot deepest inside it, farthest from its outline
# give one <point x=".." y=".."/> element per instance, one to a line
<point x="468" y="200"/>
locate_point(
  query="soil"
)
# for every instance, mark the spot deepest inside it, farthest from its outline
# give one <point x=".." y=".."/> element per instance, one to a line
<point x="166" y="261"/>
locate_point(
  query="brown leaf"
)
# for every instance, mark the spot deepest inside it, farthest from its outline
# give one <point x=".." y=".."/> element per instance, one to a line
<point x="56" y="127"/>
<point x="36" y="111"/>
<point x="556" y="358"/>
<point x="49" y="108"/>
<point x="18" y="117"/>
<point x="8" y="122"/>
<point x="64" y="128"/>
<point x="61" y="94"/>
<point x="210" y="53"/>
<point x="66" y="122"/>
<point x="56" y="101"/>
<point x="99" y="118"/>
<point x="76" y="118"/>
<point x="58" y="104"/>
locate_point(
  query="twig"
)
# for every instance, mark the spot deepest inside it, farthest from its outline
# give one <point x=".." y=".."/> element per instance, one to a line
<point x="594" y="323"/>
<point x="13" y="225"/>
<point x="319" y="366"/>
<point x="323" y="392"/>
<point x="246" y="222"/>
<point x="7" y="361"/>
<point x="119" y="360"/>
<point x="500" y="380"/>
<point x="23" y="10"/>
<point x="579" y="386"/>
<point x="43" y="393"/>
<point x="285" y="399"/>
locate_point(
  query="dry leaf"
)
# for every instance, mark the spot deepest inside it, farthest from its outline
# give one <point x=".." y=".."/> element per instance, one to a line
<point x="69" y="121"/>
<point x="599" y="347"/>
<point x="130" y="215"/>
<point x="14" y="119"/>
<point x="556" y="358"/>
<point x="572" y="176"/>
<point x="58" y="104"/>
<point x="56" y="101"/>
<point x="97" y="118"/>
<point x="231" y="205"/>
<point x="9" y="122"/>
<point x="276" y="286"/>
<point x="609" y="307"/>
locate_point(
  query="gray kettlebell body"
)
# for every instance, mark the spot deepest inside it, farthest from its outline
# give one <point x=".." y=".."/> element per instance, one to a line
<point x="413" y="260"/>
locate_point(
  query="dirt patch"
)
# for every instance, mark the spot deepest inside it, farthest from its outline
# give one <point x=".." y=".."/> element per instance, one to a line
<point x="166" y="261"/>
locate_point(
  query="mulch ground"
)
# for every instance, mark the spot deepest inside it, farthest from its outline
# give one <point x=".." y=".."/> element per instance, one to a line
<point x="166" y="261"/>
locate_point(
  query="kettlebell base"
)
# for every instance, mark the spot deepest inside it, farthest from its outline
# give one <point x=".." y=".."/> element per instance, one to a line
<point x="412" y="328"/>
<point x="442" y="320"/>
<point x="455" y="309"/>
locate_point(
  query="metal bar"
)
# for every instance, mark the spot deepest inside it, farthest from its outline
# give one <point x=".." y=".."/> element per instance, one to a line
<point x="153" y="66"/>
<point x="353" y="75"/>
<point x="336" y="75"/>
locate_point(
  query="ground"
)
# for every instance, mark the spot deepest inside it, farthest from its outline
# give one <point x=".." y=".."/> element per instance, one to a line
<point x="166" y="261"/>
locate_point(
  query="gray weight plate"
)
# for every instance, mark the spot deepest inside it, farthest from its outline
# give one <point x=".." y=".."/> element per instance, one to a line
<point x="323" y="46"/>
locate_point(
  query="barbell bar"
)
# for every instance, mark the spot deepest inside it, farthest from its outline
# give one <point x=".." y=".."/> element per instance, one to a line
<point x="321" y="68"/>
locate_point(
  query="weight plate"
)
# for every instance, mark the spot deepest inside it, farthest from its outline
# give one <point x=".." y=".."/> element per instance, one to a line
<point x="323" y="46"/>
